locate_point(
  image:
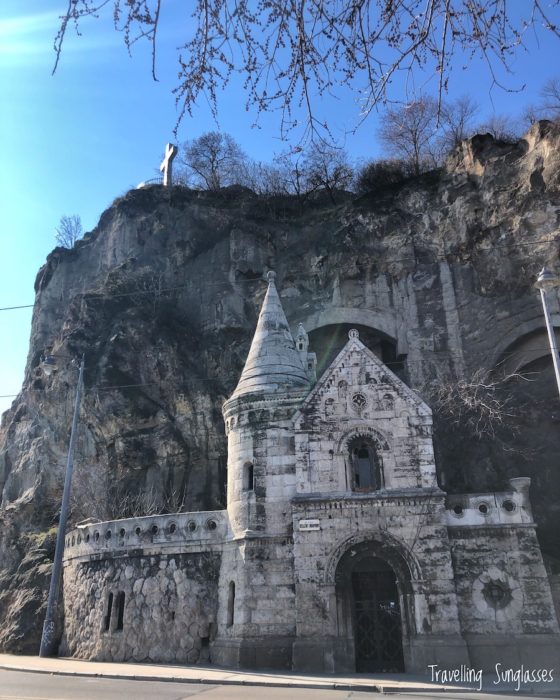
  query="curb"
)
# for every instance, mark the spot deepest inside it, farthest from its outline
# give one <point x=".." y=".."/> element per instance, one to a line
<point x="271" y="682"/>
<point x="208" y="681"/>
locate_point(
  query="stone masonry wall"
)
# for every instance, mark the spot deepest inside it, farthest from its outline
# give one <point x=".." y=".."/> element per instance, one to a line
<point x="507" y="559"/>
<point x="170" y="607"/>
<point x="410" y="524"/>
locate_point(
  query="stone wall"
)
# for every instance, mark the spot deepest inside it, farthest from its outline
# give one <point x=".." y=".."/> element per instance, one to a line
<point x="170" y="608"/>
<point x="144" y="589"/>
<point x="505" y="602"/>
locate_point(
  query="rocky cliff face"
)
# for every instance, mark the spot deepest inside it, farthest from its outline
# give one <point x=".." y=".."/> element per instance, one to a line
<point x="162" y="298"/>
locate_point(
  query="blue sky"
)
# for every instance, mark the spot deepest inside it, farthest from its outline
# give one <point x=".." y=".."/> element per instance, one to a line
<point x="72" y="142"/>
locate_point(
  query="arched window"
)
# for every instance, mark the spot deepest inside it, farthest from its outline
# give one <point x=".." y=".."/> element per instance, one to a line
<point x="248" y="476"/>
<point x="366" y="472"/>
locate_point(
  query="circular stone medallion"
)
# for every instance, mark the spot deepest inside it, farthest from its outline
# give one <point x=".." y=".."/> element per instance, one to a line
<point x="359" y="401"/>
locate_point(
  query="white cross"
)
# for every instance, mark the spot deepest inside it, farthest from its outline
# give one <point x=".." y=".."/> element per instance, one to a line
<point x="166" y="164"/>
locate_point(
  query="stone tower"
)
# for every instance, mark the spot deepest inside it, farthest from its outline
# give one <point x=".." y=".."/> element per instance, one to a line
<point x="255" y="627"/>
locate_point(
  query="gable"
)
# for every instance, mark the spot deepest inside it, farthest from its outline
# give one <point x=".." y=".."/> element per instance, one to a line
<point x="358" y="383"/>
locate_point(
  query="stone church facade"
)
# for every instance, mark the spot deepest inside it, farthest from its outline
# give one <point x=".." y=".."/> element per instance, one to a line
<point x="338" y="551"/>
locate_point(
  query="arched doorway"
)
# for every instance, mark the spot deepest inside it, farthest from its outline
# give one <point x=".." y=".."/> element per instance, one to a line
<point x="377" y="621"/>
<point x="375" y="607"/>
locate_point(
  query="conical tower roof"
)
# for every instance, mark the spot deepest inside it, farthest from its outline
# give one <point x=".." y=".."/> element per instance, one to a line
<point x="273" y="362"/>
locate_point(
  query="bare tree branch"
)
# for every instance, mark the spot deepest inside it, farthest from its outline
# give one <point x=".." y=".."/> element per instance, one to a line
<point x="292" y="53"/>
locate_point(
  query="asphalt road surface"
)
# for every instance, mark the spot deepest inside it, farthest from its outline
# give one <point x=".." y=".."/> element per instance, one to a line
<point x="19" y="685"/>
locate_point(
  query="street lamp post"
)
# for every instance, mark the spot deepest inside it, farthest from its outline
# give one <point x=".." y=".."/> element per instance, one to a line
<point x="49" y="626"/>
<point x="546" y="282"/>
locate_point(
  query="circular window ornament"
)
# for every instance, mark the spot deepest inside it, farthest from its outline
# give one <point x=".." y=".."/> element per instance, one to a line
<point x="353" y="333"/>
<point x="359" y="401"/>
<point x="497" y="594"/>
<point x="508" y="506"/>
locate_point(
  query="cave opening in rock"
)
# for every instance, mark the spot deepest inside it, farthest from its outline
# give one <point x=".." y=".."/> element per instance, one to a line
<point x="327" y="341"/>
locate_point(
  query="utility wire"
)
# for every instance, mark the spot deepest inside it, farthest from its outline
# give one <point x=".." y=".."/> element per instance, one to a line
<point x="388" y="260"/>
<point x="390" y="363"/>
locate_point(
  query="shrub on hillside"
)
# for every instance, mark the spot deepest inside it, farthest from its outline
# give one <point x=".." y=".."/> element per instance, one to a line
<point x="380" y="173"/>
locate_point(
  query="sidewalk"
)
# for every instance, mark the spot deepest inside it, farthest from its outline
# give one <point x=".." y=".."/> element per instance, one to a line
<point x="383" y="683"/>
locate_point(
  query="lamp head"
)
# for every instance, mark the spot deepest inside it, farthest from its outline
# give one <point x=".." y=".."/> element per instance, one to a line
<point x="547" y="280"/>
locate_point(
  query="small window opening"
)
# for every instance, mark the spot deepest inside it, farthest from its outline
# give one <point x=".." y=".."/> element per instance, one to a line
<point x="107" y="623"/>
<point x="249" y="477"/>
<point x="231" y="604"/>
<point x="120" y="610"/>
<point x="366" y="474"/>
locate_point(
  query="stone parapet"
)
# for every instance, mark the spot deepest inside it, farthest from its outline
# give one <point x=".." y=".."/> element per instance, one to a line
<point x="170" y="532"/>
<point x="503" y="508"/>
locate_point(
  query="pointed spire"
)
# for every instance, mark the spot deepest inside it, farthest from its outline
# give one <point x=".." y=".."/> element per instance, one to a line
<point x="273" y="362"/>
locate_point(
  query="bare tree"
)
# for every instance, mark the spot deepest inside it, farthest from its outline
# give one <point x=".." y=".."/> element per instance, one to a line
<point x="409" y="133"/>
<point x="501" y="127"/>
<point x="327" y="168"/>
<point x="291" y="54"/>
<point x="551" y="98"/>
<point x="549" y="105"/>
<point x="213" y="160"/>
<point x="475" y="417"/>
<point x="109" y="497"/>
<point x="478" y="404"/>
<point x="456" y="122"/>
<point x="290" y="173"/>
<point x="68" y="231"/>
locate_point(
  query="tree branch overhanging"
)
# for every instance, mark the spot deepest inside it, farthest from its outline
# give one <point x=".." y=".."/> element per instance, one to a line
<point x="291" y="53"/>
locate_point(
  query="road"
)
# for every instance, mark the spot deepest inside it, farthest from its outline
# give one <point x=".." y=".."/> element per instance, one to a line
<point x="19" y="685"/>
